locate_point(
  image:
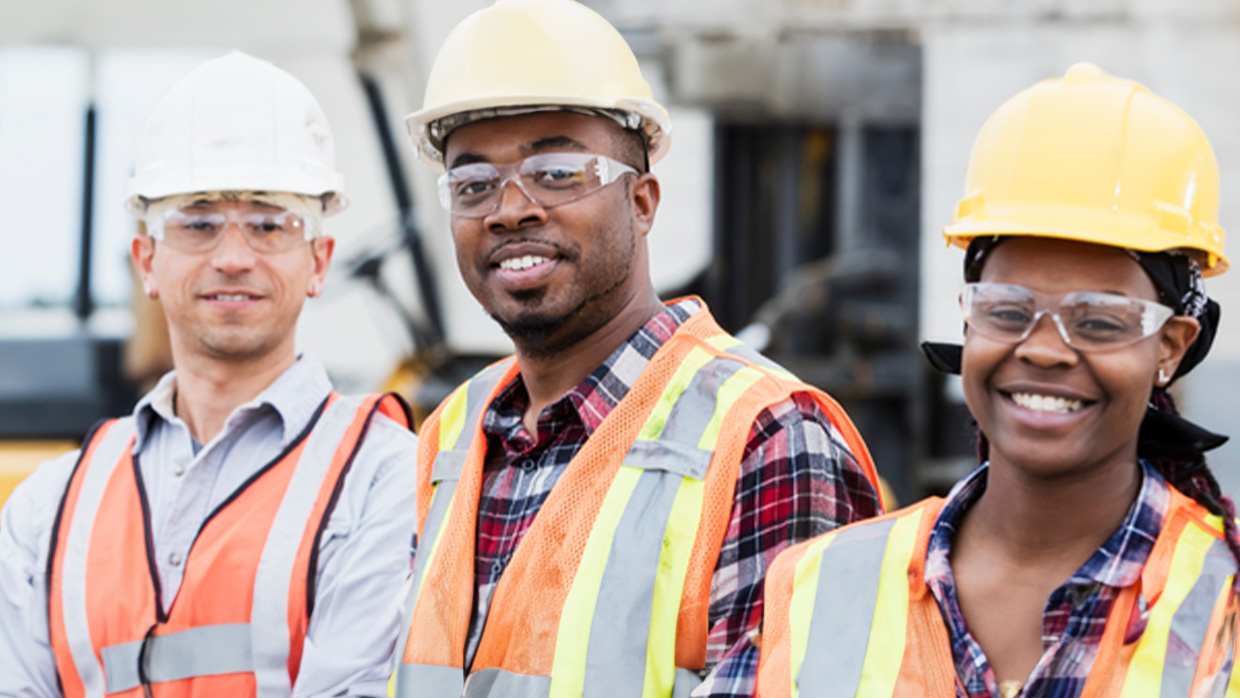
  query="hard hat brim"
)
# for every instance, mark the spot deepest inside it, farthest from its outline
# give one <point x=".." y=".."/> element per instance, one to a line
<point x="656" y="123"/>
<point x="1127" y="232"/>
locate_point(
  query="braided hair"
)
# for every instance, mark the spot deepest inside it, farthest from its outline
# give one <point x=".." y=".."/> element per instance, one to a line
<point x="1171" y="445"/>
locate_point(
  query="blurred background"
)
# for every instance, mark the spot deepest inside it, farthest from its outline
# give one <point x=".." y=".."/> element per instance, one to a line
<point x="819" y="147"/>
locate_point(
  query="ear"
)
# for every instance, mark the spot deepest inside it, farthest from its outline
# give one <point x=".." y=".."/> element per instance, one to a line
<point x="1177" y="336"/>
<point x="321" y="249"/>
<point x="143" y="250"/>
<point x="644" y="197"/>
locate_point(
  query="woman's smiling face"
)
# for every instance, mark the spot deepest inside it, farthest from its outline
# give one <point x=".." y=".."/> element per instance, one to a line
<point x="1049" y="409"/>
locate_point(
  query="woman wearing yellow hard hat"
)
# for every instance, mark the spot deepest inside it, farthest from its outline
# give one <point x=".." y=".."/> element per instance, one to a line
<point x="1091" y="553"/>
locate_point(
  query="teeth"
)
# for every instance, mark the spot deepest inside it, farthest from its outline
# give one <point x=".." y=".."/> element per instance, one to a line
<point x="1046" y="403"/>
<point x="231" y="297"/>
<point x="522" y="263"/>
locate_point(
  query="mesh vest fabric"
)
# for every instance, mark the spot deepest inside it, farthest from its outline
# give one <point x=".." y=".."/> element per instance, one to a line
<point x="527" y="631"/>
<point x="891" y="640"/>
<point x="239" y="620"/>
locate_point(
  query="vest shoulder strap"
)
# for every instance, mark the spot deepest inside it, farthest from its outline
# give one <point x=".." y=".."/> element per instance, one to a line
<point x="862" y="577"/>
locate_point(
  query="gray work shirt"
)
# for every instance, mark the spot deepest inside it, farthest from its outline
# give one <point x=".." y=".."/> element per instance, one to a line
<point x="364" y="556"/>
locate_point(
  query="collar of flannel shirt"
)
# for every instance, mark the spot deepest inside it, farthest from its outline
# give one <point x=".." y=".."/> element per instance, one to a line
<point x="595" y="397"/>
<point x="1076" y="612"/>
<point x="1117" y="563"/>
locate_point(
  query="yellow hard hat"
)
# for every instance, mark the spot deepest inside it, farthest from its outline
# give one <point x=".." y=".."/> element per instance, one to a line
<point x="1094" y="158"/>
<point x="520" y="56"/>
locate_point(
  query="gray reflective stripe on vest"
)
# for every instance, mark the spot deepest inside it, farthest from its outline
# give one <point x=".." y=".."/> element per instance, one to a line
<point x="679" y="459"/>
<point x="693" y="411"/>
<point x="498" y="683"/>
<point x="846" y="596"/>
<point x="445" y="475"/>
<point x="620" y="629"/>
<point x="203" y="651"/>
<point x="269" y="607"/>
<point x="73" y="571"/>
<point x="1192" y="620"/>
<point x="753" y="356"/>
<point x="479" y="389"/>
<point x="429" y="681"/>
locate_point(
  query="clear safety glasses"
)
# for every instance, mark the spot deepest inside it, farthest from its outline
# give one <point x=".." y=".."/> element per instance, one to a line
<point x="1086" y="321"/>
<point x="199" y="225"/>
<point x="547" y="179"/>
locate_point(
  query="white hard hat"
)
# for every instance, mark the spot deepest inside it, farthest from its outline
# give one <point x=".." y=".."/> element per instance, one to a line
<point x="237" y="123"/>
<point x="521" y="56"/>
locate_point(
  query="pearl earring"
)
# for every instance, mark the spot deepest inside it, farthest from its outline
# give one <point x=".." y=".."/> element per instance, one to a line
<point x="1163" y="378"/>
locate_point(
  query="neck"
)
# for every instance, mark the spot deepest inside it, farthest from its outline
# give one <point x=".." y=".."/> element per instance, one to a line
<point x="1033" y="519"/>
<point x="208" y="390"/>
<point x="549" y="376"/>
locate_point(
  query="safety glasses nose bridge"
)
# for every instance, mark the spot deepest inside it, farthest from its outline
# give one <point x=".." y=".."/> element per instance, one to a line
<point x="1056" y="320"/>
<point x="508" y="174"/>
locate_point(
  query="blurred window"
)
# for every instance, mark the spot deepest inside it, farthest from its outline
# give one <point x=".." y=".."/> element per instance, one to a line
<point x="43" y="98"/>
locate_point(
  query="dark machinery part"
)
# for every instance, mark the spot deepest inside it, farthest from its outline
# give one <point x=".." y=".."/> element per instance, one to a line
<point x="428" y="336"/>
<point x="83" y="297"/>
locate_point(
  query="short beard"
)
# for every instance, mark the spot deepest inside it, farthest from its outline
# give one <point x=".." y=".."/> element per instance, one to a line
<point x="536" y="335"/>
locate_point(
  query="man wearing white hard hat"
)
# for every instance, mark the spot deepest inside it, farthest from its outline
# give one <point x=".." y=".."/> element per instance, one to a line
<point x="596" y="513"/>
<point x="245" y="531"/>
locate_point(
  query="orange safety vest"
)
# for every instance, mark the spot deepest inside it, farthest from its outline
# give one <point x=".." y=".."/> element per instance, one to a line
<point x="849" y="613"/>
<point x="237" y="624"/>
<point x="608" y="592"/>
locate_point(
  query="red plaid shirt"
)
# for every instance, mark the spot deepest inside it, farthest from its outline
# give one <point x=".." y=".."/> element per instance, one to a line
<point x="797" y="480"/>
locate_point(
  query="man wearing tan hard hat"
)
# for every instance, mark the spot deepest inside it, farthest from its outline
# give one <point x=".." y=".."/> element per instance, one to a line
<point x="245" y="530"/>
<point x="595" y="514"/>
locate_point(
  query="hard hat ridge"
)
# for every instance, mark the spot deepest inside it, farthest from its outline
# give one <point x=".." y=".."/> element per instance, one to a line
<point x="519" y="56"/>
<point x="237" y="123"/>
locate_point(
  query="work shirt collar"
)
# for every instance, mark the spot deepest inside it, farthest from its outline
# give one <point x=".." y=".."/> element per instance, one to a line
<point x="1117" y="563"/>
<point x="294" y="397"/>
<point x="591" y="400"/>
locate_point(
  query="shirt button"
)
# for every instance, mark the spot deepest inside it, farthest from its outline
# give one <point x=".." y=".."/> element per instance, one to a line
<point x="497" y="567"/>
<point x="178" y="469"/>
<point x="528" y="464"/>
<point x="175" y="559"/>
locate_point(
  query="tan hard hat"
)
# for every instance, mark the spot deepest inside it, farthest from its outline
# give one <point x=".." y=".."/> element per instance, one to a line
<point x="521" y="56"/>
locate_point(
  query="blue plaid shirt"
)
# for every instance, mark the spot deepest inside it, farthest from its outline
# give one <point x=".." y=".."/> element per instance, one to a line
<point x="1075" y="614"/>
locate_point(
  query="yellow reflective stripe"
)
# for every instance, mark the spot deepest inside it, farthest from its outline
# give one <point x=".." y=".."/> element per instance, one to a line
<point x="669" y="585"/>
<point x="889" y="631"/>
<point x="430" y="556"/>
<point x="1233" y="683"/>
<point x="728" y="394"/>
<point x="723" y="342"/>
<point x="696" y="359"/>
<point x="568" y="668"/>
<point x="801" y="607"/>
<point x="452" y="419"/>
<point x="1144" y="677"/>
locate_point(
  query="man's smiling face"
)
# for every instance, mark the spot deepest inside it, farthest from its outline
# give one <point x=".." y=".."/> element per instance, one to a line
<point x="552" y="276"/>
